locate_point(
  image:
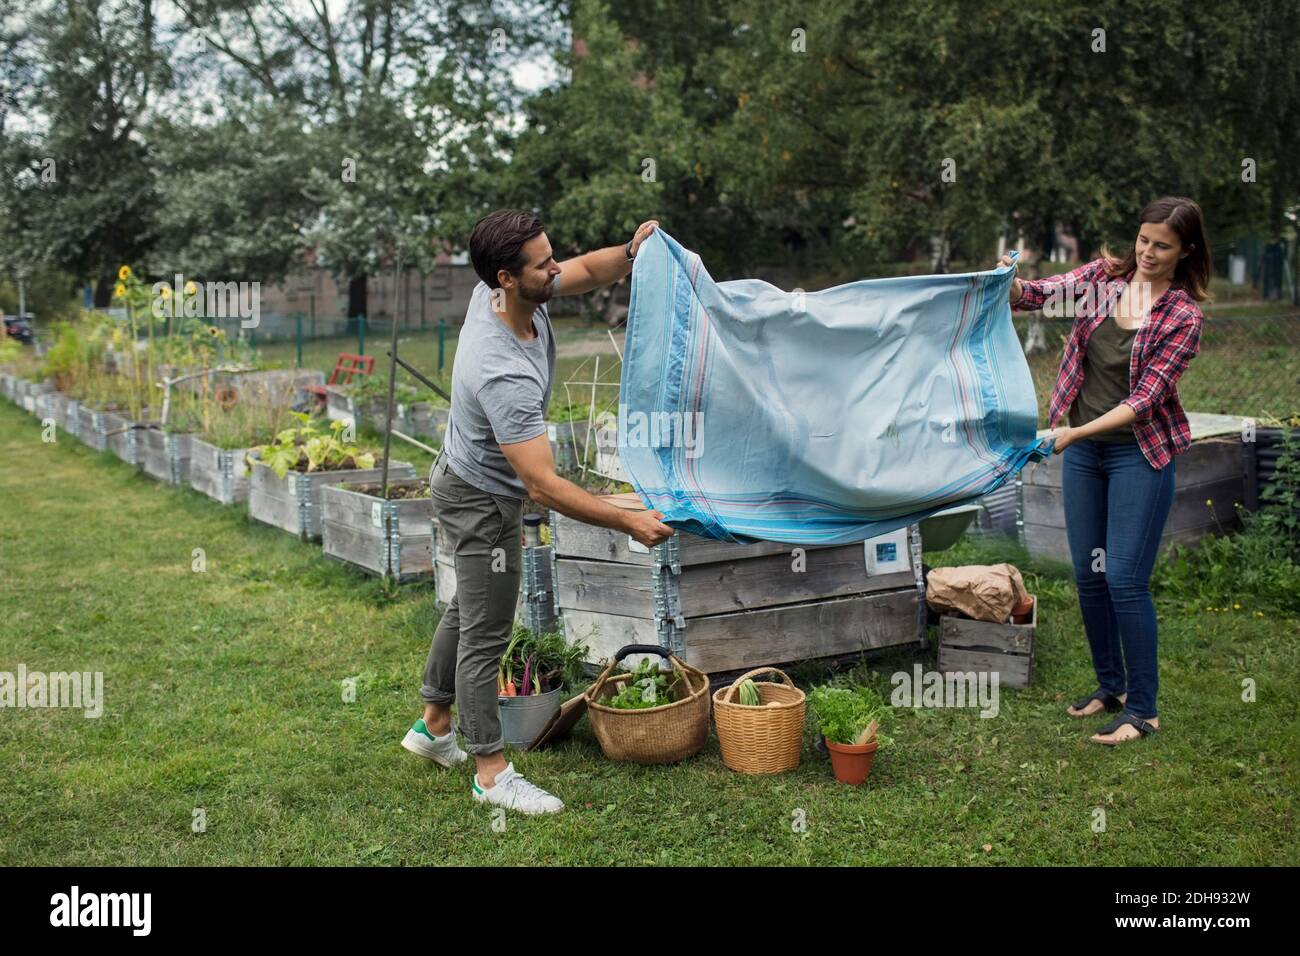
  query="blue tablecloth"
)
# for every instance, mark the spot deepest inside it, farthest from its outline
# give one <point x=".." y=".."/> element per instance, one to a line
<point x="748" y="413"/>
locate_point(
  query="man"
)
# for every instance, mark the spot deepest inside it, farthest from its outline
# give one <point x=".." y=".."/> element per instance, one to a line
<point x="495" y="453"/>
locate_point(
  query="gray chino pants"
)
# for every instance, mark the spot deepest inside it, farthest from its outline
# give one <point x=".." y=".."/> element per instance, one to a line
<point x="483" y="531"/>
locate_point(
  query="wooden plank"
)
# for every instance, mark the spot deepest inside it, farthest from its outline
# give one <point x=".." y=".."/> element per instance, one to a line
<point x="798" y="632"/>
<point x="963" y="632"/>
<point x="1046" y="506"/>
<point x="722" y="587"/>
<point x="353" y="546"/>
<point x="1208" y="460"/>
<point x="605" y="586"/>
<point x="1013" y="670"/>
<point x="577" y="539"/>
<point x="604" y="634"/>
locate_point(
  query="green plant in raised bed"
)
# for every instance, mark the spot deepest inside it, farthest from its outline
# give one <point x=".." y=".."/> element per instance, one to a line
<point x="307" y="448"/>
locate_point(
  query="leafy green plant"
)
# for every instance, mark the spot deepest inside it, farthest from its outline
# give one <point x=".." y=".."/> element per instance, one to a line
<point x="536" y="663"/>
<point x="648" y="687"/>
<point x="308" y="449"/>
<point x="843" y="713"/>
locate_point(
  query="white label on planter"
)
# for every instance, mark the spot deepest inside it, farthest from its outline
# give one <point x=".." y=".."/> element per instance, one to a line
<point x="377" y="514"/>
<point x="887" y="553"/>
<point x="634" y="545"/>
<point x="401" y="410"/>
<point x="552" y="433"/>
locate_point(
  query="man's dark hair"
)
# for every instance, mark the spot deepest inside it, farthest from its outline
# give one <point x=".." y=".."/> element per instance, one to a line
<point x="497" y="242"/>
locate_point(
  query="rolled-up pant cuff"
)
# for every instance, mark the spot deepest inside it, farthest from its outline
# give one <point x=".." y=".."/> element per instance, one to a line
<point x="484" y="750"/>
<point x="432" y="695"/>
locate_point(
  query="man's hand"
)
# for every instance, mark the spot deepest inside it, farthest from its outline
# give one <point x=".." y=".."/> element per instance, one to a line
<point x="532" y="462"/>
<point x="648" y="527"/>
<point x="642" y="234"/>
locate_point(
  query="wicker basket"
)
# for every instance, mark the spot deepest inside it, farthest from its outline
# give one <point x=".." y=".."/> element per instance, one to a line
<point x="656" y="734"/>
<point x="763" y="739"/>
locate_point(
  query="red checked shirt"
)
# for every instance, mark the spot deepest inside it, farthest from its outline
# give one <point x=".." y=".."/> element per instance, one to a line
<point x="1166" y="341"/>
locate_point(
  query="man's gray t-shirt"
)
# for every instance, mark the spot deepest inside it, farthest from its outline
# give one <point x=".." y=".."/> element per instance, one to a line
<point x="500" y="387"/>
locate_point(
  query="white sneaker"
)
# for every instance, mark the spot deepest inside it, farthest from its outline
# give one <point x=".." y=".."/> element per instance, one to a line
<point x="443" y="750"/>
<point x="515" y="793"/>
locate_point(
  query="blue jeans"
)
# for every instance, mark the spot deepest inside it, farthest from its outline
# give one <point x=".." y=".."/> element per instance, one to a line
<point x="1115" y="510"/>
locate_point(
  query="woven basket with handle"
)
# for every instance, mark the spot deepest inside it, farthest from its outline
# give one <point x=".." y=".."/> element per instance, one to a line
<point x="763" y="739"/>
<point x="655" y="734"/>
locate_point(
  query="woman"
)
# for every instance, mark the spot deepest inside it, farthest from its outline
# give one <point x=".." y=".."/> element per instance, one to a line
<point x="1137" y="325"/>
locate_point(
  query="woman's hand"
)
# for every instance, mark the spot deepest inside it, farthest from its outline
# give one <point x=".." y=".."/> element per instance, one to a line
<point x="1016" y="290"/>
<point x="1064" y="436"/>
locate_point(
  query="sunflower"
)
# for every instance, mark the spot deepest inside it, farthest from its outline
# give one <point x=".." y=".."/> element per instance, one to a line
<point x="120" y="290"/>
<point x="124" y="272"/>
<point x="166" y="292"/>
<point x="191" y="288"/>
<point x="213" y="331"/>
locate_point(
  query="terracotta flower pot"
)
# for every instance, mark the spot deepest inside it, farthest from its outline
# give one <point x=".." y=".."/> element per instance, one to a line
<point x="1022" y="612"/>
<point x="852" y="762"/>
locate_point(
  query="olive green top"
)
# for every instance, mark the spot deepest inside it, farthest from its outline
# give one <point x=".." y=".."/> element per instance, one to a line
<point x="1105" y="378"/>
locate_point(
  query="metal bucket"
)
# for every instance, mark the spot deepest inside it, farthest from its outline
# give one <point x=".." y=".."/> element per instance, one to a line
<point x="522" y="718"/>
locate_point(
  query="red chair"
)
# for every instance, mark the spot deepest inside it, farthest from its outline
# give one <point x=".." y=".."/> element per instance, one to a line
<point x="346" y="366"/>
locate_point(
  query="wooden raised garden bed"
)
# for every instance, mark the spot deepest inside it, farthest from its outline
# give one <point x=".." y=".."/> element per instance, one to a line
<point x="1213" y="468"/>
<point x="293" y="503"/>
<point x="164" y="456"/>
<point x="392" y="538"/>
<point x="91" y="427"/>
<point x="122" y="435"/>
<point x="724" y="607"/>
<point x="219" y="473"/>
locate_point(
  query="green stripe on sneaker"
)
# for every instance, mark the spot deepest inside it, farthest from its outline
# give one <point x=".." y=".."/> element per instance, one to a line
<point x="420" y="728"/>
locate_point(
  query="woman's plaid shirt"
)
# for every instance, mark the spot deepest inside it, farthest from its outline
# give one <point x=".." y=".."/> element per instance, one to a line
<point x="1168" y="339"/>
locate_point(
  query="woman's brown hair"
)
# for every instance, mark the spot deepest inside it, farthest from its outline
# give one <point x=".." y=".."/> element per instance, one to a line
<point x="1183" y="216"/>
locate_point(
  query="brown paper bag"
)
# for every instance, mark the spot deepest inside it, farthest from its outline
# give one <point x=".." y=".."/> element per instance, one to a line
<point x="985" y="592"/>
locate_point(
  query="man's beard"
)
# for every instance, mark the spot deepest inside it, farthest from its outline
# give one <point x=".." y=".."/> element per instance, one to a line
<point x="540" y="295"/>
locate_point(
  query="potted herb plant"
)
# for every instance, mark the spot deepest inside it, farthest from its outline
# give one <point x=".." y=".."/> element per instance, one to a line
<point x="535" y="670"/>
<point x="850" y="720"/>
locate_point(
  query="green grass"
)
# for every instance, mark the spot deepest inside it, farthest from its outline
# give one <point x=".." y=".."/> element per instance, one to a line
<point x="223" y="692"/>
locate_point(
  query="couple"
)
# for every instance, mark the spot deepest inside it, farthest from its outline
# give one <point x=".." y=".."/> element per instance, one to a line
<point x="1117" y="383"/>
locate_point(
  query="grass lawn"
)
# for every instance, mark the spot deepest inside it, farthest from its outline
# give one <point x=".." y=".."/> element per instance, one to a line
<point x="223" y="692"/>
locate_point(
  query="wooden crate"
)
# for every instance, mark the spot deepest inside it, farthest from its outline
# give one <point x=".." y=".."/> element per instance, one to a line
<point x="219" y="473"/>
<point x="164" y="456"/>
<point x="293" y="503"/>
<point x="1211" y="469"/>
<point x="91" y="428"/>
<point x="983" y="646"/>
<point x="121" y="436"/>
<point x="393" y="538"/>
<point x="339" y="405"/>
<point x="723" y="606"/>
<point x="425" y="420"/>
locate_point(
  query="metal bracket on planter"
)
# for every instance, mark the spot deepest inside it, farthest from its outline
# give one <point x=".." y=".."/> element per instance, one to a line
<point x="670" y="624"/>
<point x="132" y="450"/>
<point x="1020" y="510"/>
<point x="301" y="488"/>
<point x="914" y="548"/>
<point x="226" y="466"/>
<point x="555" y="576"/>
<point x="667" y="555"/>
<point x="72" y="416"/>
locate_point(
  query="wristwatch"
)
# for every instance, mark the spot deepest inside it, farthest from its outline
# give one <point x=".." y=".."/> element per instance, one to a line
<point x="628" y="249"/>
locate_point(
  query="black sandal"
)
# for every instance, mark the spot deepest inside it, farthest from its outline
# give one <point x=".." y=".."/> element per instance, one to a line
<point x="1143" y="728"/>
<point x="1113" y="703"/>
